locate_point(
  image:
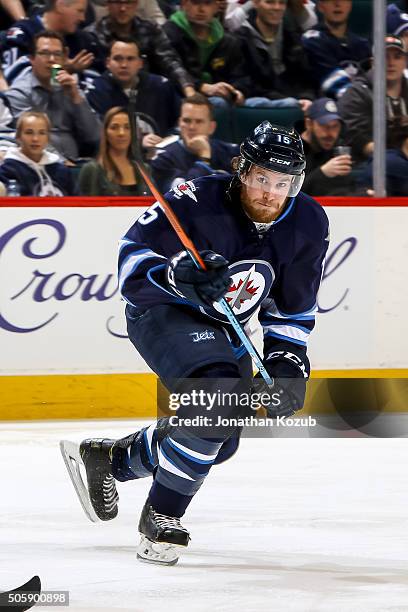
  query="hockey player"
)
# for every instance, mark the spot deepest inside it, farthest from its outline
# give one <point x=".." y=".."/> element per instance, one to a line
<point x="264" y="243"/>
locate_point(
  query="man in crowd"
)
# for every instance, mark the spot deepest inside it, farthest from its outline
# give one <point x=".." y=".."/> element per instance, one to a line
<point x="328" y="172"/>
<point x="155" y="95"/>
<point x="302" y="11"/>
<point x="274" y="59"/>
<point x="75" y="125"/>
<point x="333" y="50"/>
<point x="356" y="105"/>
<point x="211" y="57"/>
<point x="154" y="46"/>
<point x="195" y="153"/>
<point x="61" y="16"/>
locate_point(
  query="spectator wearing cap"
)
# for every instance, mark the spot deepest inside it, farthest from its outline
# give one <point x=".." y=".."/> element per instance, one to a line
<point x="333" y="50"/>
<point x="356" y="106"/>
<point x="328" y="167"/>
<point x="397" y="23"/>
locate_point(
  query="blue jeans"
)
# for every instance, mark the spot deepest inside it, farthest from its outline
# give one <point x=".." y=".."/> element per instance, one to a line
<point x="219" y="102"/>
<point x="259" y="102"/>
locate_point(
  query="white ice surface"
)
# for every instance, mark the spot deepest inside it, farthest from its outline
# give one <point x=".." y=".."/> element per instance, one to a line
<point x="287" y="525"/>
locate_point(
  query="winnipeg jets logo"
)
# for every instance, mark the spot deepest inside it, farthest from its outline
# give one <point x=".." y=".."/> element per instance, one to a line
<point x="185" y="189"/>
<point x="14" y="32"/>
<point x="250" y="284"/>
<point x="243" y="291"/>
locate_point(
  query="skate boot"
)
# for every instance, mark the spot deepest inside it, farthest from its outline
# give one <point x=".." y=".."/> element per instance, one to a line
<point x="96" y="455"/>
<point x="160" y="535"/>
<point x="96" y="490"/>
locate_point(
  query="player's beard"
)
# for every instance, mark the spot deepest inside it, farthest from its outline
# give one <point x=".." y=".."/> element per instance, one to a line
<point x="260" y="210"/>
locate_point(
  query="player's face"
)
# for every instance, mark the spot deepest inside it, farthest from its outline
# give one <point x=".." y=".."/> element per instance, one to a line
<point x="396" y="64"/>
<point x="118" y="133"/>
<point x="200" y="12"/>
<point x="33" y="137"/>
<point x="335" y="12"/>
<point x="264" y="193"/>
<point x="48" y="51"/>
<point x="195" y="120"/>
<point x="270" y="12"/>
<point x="124" y="62"/>
<point x="72" y="14"/>
<point x="122" y="11"/>
<point x="326" y="135"/>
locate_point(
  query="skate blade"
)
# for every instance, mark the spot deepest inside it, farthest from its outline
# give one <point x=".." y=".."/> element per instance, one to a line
<point x="157" y="553"/>
<point x="73" y="463"/>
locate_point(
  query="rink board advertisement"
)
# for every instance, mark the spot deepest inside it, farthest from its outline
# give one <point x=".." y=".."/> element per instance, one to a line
<point x="61" y="312"/>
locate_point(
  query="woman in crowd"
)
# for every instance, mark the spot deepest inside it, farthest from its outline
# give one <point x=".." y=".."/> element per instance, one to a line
<point x="37" y="172"/>
<point x="113" y="172"/>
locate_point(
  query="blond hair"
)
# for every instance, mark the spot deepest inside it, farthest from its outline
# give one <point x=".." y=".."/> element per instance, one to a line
<point x="26" y="115"/>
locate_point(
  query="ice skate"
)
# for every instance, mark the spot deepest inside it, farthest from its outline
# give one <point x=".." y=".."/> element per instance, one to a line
<point x="97" y="492"/>
<point x="161" y="536"/>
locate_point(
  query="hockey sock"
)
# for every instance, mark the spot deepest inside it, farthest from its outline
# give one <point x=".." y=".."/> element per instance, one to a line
<point x="188" y="452"/>
<point x="136" y="455"/>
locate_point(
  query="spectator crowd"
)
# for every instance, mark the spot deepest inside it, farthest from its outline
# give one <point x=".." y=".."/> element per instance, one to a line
<point x="81" y="80"/>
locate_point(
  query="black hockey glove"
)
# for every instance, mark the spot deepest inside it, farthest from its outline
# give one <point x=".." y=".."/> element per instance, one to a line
<point x="290" y="376"/>
<point x="199" y="286"/>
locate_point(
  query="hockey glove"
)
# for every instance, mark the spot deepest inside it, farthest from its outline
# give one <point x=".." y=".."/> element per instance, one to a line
<point x="290" y="376"/>
<point x="199" y="286"/>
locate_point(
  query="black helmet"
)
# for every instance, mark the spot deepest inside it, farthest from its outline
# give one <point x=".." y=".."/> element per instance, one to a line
<point x="276" y="148"/>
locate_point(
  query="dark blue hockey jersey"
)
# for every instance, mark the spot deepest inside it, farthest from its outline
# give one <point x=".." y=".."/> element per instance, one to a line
<point x="335" y="61"/>
<point x="278" y="272"/>
<point x="174" y="163"/>
<point x="155" y="96"/>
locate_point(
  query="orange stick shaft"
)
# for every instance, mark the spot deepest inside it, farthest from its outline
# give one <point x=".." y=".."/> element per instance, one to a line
<point x="187" y="243"/>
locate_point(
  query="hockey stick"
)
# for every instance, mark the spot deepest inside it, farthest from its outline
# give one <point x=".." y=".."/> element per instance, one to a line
<point x="27" y="593"/>
<point x="194" y="254"/>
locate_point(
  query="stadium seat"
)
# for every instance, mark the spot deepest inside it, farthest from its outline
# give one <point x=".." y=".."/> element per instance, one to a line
<point x="223" y="117"/>
<point x="234" y="125"/>
<point x="361" y="18"/>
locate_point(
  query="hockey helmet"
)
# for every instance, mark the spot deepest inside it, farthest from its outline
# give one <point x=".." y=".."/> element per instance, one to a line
<point x="274" y="148"/>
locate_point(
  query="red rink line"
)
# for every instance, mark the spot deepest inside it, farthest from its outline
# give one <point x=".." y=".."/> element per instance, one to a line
<point x="79" y="202"/>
